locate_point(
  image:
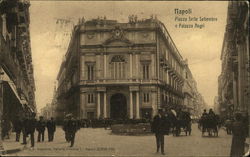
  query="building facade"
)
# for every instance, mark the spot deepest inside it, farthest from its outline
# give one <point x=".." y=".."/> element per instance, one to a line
<point x="120" y="70"/>
<point x="17" y="94"/>
<point x="49" y="110"/>
<point x="234" y="87"/>
<point x="193" y="100"/>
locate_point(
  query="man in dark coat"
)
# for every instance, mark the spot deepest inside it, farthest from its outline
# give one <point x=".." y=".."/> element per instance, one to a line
<point x="40" y="128"/>
<point x="211" y="113"/>
<point x="239" y="137"/>
<point x="65" y="128"/>
<point x="51" y="127"/>
<point x="160" y="128"/>
<point x="31" y="127"/>
<point x="72" y="127"/>
<point x="24" y="123"/>
<point x="204" y="113"/>
<point x="18" y="128"/>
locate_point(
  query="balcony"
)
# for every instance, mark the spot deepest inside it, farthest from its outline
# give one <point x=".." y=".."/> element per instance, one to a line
<point x="118" y="81"/>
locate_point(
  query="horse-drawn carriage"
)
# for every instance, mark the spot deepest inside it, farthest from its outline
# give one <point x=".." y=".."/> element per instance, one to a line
<point x="181" y="123"/>
<point x="209" y="124"/>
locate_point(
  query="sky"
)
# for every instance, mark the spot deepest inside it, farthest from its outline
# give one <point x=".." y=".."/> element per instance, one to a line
<point x="202" y="47"/>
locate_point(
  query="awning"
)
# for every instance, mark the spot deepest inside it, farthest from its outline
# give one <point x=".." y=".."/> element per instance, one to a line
<point x="13" y="88"/>
<point x="6" y="79"/>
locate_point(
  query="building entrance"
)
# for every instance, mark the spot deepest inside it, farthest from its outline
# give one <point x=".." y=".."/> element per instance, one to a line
<point x="118" y="106"/>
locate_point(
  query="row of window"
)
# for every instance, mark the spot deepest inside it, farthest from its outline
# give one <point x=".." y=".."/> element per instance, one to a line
<point x="146" y="98"/>
<point x="145" y="113"/>
<point x="118" y="70"/>
<point x="169" y="57"/>
<point x="101" y="35"/>
<point x="172" y="99"/>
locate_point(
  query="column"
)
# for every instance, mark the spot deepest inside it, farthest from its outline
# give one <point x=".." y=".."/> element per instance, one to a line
<point x="154" y="103"/>
<point x="98" y="67"/>
<point x="82" y="106"/>
<point x="82" y="63"/>
<point x="105" y="104"/>
<point x="153" y="65"/>
<point x="137" y="67"/>
<point x="105" y="66"/>
<point x="131" y="105"/>
<point x="167" y="76"/>
<point x="137" y="105"/>
<point x="98" y="106"/>
<point x="131" y="65"/>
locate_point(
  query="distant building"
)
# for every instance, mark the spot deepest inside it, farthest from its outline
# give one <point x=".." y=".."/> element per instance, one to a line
<point x="46" y="111"/>
<point x="17" y="86"/>
<point x="120" y="70"/>
<point x="193" y="100"/>
<point x="50" y="109"/>
<point x="234" y="83"/>
<point x="216" y="105"/>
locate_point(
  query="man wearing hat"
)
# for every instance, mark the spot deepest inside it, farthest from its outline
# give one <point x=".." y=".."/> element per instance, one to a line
<point x="72" y="127"/>
<point x="160" y="128"/>
<point x="65" y="127"/>
<point x="31" y="126"/>
<point x="51" y="127"/>
<point x="40" y="128"/>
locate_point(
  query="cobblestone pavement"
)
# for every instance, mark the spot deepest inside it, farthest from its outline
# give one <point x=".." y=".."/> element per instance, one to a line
<point x="101" y="142"/>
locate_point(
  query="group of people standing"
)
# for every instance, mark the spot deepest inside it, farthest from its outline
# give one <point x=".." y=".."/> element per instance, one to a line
<point x="28" y="126"/>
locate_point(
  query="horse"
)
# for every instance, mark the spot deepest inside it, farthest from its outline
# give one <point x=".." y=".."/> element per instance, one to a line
<point x="209" y="123"/>
<point x="179" y="122"/>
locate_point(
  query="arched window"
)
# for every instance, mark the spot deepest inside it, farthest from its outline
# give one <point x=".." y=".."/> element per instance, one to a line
<point x="117" y="67"/>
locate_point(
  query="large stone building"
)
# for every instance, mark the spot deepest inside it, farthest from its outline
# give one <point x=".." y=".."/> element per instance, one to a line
<point x="17" y="94"/>
<point x="234" y="81"/>
<point x="193" y="100"/>
<point x="120" y="70"/>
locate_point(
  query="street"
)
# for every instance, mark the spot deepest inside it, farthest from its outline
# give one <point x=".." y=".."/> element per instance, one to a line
<point x="99" y="141"/>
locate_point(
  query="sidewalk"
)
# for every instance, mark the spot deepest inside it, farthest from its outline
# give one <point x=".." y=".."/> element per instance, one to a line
<point x="11" y="146"/>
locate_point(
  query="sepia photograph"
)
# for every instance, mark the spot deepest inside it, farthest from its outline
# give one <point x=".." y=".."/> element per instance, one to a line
<point x="124" y="78"/>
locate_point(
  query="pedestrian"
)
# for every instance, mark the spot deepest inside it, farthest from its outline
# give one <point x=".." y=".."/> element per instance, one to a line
<point x="31" y="127"/>
<point x="204" y="113"/>
<point x="239" y="137"/>
<point x="160" y="127"/>
<point x="24" y="123"/>
<point x="6" y="127"/>
<point x="65" y="128"/>
<point x="17" y="128"/>
<point x="211" y="113"/>
<point x="51" y="127"/>
<point x="41" y="129"/>
<point x="72" y="127"/>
